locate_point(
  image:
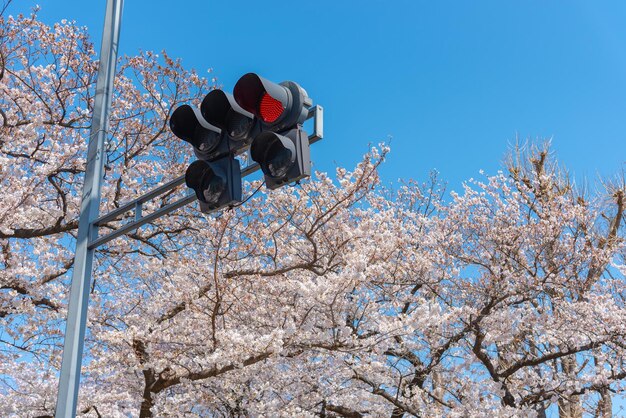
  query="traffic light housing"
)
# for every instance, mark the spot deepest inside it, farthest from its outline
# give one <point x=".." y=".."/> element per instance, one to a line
<point x="237" y="125"/>
<point x="216" y="183"/>
<point x="283" y="158"/>
<point x="188" y="124"/>
<point x="279" y="107"/>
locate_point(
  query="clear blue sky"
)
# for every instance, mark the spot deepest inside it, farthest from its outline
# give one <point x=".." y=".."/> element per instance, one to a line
<point x="452" y="82"/>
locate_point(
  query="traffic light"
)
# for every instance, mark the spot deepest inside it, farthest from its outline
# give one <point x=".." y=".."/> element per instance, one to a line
<point x="216" y="183"/>
<point x="187" y="124"/>
<point x="216" y="176"/>
<point x="238" y="125"/>
<point x="283" y="158"/>
<point x="282" y="147"/>
<point x="260" y="116"/>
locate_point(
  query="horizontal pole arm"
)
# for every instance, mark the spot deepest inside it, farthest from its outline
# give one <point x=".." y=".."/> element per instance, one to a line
<point x="142" y="221"/>
<point x="114" y="214"/>
<point x="139" y="221"/>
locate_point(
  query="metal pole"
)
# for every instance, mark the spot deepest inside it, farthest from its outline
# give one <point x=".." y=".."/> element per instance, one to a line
<point x="81" y="277"/>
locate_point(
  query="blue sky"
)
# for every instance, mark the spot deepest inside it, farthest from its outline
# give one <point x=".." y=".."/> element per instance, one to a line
<point x="451" y="82"/>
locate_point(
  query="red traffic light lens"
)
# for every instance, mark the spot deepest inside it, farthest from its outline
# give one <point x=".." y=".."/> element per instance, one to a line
<point x="270" y="108"/>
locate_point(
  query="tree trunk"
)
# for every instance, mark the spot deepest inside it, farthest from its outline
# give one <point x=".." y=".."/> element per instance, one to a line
<point x="146" y="404"/>
<point x="605" y="404"/>
<point x="570" y="407"/>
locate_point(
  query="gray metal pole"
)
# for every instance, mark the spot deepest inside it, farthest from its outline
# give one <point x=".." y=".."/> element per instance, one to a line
<point x="81" y="278"/>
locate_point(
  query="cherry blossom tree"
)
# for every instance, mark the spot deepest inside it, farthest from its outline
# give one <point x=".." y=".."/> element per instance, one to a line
<point x="337" y="297"/>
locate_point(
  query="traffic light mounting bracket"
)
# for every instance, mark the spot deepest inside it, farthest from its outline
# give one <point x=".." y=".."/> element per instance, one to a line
<point x="138" y="218"/>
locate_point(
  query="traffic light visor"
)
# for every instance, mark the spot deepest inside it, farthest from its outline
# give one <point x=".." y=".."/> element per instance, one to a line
<point x="215" y="107"/>
<point x="183" y="122"/>
<point x="263" y="98"/>
<point x="274" y="153"/>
